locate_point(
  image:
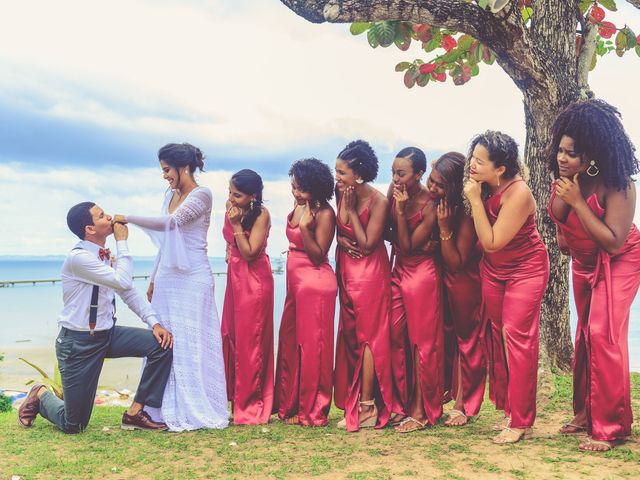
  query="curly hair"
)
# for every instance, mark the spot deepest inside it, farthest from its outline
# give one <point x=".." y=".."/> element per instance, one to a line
<point x="503" y="151"/>
<point x="598" y="135"/>
<point x="417" y="157"/>
<point x="313" y="177"/>
<point x="249" y="183"/>
<point x="361" y="158"/>
<point x="451" y="166"/>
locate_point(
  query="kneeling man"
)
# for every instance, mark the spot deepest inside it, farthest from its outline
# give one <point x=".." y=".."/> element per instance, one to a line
<point x="88" y="333"/>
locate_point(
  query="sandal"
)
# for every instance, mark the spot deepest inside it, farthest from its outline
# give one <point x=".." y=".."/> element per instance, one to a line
<point x="601" y="445"/>
<point x="371" y="421"/>
<point x="571" y="428"/>
<point x="415" y="425"/>
<point x="456" y="414"/>
<point x="396" y="419"/>
<point x="508" y="436"/>
<point x="505" y="423"/>
<point x="292" y="420"/>
<point x="368" y="422"/>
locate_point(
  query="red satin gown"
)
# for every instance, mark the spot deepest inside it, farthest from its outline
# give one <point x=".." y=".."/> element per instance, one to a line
<point x="304" y="373"/>
<point x="514" y="280"/>
<point x="365" y="304"/>
<point x="463" y="290"/>
<point x="247" y="333"/>
<point x="417" y="327"/>
<point x="604" y="287"/>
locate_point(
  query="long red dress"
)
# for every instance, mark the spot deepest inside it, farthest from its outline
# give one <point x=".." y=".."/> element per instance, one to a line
<point x="416" y="322"/>
<point x="604" y="287"/>
<point x="463" y="290"/>
<point x="305" y="343"/>
<point x="514" y="280"/>
<point x="365" y="304"/>
<point x="247" y="333"/>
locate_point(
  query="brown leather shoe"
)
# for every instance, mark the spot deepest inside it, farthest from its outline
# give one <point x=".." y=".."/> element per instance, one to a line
<point x="30" y="408"/>
<point x="141" y="421"/>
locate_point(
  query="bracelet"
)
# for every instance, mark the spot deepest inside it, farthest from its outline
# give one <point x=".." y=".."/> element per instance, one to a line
<point x="238" y="233"/>
<point x="448" y="237"/>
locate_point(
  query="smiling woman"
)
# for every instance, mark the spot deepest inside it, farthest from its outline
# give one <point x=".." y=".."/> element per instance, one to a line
<point x="182" y="292"/>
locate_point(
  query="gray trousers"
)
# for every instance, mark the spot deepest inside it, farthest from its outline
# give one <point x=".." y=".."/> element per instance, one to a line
<point x="80" y="359"/>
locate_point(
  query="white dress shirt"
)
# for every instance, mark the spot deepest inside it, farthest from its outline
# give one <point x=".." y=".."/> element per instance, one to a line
<point x="82" y="270"/>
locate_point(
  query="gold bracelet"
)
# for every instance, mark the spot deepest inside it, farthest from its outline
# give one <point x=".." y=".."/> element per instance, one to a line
<point x="444" y="239"/>
<point x="238" y="233"/>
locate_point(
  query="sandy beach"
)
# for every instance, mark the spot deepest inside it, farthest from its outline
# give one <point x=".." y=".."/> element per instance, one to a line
<point x="120" y="373"/>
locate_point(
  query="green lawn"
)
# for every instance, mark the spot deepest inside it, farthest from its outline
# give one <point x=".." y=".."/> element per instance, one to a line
<point x="280" y="451"/>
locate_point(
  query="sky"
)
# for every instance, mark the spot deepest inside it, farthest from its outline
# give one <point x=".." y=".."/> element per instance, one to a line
<point x="90" y="90"/>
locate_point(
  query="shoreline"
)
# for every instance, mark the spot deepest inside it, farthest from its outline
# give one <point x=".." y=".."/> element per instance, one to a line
<point x="120" y="373"/>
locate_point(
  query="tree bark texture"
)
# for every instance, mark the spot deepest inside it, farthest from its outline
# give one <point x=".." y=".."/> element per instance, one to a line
<point x="541" y="60"/>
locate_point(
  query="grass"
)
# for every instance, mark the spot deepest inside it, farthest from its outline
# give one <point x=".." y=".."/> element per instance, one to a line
<point x="281" y="451"/>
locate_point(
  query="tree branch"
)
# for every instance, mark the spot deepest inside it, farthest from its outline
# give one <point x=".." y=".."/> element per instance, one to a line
<point x="456" y="15"/>
<point x="635" y="3"/>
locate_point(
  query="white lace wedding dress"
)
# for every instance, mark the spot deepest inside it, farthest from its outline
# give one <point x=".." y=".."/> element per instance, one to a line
<point x="195" y="396"/>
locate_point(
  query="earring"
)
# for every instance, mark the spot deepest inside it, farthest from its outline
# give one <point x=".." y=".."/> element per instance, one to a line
<point x="593" y="169"/>
<point x="498" y="178"/>
<point x="251" y="205"/>
<point x="317" y="204"/>
<point x="359" y="181"/>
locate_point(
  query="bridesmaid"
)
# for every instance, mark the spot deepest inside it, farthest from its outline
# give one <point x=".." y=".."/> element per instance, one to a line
<point x="362" y="372"/>
<point x="593" y="203"/>
<point x="416" y="297"/>
<point x="305" y="342"/>
<point x="247" y="315"/>
<point x="461" y="257"/>
<point x="514" y="271"/>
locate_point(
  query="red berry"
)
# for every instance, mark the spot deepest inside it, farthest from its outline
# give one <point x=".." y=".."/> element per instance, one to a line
<point x="607" y="29"/>
<point x="449" y="43"/>
<point x="441" y="77"/>
<point x="427" y="68"/>
<point x="597" y="14"/>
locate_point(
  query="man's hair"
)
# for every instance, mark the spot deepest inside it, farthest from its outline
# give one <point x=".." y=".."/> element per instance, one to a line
<point x="79" y="217"/>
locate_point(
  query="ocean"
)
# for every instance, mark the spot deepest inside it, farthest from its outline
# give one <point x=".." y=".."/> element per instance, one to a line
<point x="28" y="313"/>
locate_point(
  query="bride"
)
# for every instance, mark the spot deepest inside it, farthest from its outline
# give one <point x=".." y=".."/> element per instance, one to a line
<point x="181" y="292"/>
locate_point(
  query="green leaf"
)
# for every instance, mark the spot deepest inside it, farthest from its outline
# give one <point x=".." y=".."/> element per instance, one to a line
<point x="359" y="27"/>
<point x="452" y="55"/>
<point x="527" y="13"/>
<point x="475" y="69"/>
<point x="403" y="37"/>
<point x="402" y="66"/>
<point x="409" y="81"/>
<point x="385" y="32"/>
<point x="594" y="61"/>
<point x="465" y="42"/>
<point x="372" y="38"/>
<point x="482" y="4"/>
<point x="638" y="50"/>
<point x="422" y="80"/>
<point x="584" y="5"/>
<point x="621" y="40"/>
<point x="608" y="4"/>
<point x="631" y="38"/>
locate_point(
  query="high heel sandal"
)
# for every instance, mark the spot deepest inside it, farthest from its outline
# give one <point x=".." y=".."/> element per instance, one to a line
<point x="371" y="421"/>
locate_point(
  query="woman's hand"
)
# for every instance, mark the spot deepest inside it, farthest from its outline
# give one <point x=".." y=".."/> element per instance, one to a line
<point x="445" y="217"/>
<point x="150" y="292"/>
<point x="472" y="190"/>
<point x="349" y="246"/>
<point x="401" y="197"/>
<point x="119" y="219"/>
<point x="569" y="191"/>
<point x="235" y="215"/>
<point x="349" y="200"/>
<point x="308" y="217"/>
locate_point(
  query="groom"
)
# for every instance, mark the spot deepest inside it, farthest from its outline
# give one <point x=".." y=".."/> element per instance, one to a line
<point x="88" y="333"/>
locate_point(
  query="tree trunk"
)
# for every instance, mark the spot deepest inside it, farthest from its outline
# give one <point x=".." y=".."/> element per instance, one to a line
<point x="555" y="336"/>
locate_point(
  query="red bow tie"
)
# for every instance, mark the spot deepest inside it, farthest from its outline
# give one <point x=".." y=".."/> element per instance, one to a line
<point x="104" y="253"/>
